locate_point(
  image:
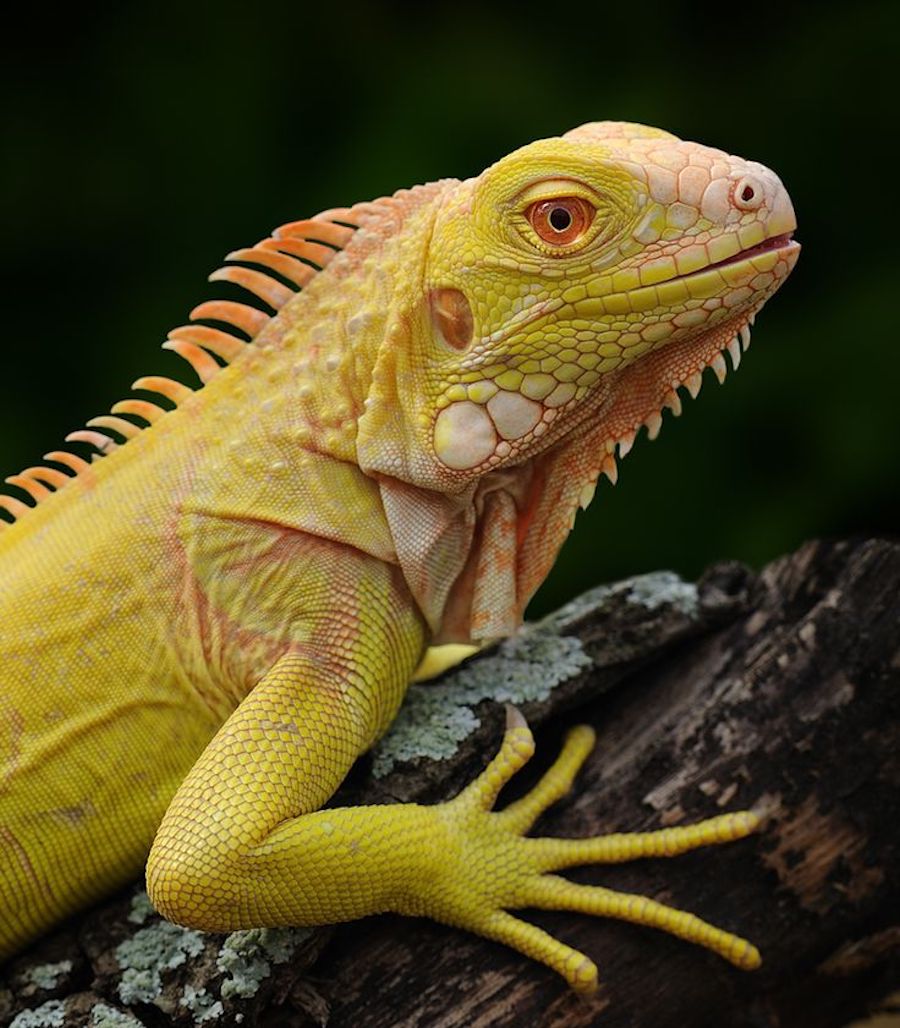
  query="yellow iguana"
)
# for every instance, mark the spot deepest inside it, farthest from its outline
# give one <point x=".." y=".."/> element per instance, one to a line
<point x="202" y="631"/>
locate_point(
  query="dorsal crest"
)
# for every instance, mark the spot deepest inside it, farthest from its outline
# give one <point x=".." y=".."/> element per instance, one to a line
<point x="273" y="272"/>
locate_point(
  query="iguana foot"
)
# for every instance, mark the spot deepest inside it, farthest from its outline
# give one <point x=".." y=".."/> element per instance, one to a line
<point x="490" y="865"/>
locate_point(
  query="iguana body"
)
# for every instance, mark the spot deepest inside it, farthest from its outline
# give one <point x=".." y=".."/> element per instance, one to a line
<point x="227" y="609"/>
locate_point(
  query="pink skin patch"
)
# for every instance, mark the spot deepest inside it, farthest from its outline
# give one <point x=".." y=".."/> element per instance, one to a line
<point x="513" y="415"/>
<point x="464" y="436"/>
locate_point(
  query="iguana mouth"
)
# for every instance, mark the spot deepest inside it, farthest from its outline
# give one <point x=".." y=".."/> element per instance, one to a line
<point x="781" y="242"/>
<point x="784" y="241"/>
<point x="528" y="317"/>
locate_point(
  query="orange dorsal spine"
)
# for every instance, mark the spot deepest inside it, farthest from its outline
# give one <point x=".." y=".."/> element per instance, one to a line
<point x="295" y="253"/>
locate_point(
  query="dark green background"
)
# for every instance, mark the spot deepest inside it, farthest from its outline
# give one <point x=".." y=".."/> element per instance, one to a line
<point x="143" y="142"/>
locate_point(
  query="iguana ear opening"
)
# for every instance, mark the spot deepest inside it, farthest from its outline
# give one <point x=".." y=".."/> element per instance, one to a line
<point x="451" y="313"/>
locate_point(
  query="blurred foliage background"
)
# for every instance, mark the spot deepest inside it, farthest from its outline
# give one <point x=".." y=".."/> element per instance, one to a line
<point x="143" y="141"/>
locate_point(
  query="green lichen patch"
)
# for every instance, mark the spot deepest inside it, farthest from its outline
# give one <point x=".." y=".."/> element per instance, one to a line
<point x="143" y="958"/>
<point x="246" y="957"/>
<point x="141" y="908"/>
<point x="202" y="1004"/>
<point x="105" y="1016"/>
<point x="244" y="960"/>
<point x="650" y="591"/>
<point x="435" y="719"/>
<point x="51" y="1014"/>
<point x="46" y="976"/>
<point x="663" y="588"/>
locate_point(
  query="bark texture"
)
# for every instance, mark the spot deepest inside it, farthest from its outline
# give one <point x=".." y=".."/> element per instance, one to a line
<point x="777" y="691"/>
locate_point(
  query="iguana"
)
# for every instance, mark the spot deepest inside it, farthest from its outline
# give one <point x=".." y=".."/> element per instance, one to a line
<point x="204" y="629"/>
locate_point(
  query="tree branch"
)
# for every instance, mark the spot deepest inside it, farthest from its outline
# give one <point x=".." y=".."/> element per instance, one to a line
<point x="778" y="691"/>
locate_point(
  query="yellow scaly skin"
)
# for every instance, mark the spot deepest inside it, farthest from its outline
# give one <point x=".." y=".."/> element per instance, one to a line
<point x="203" y="630"/>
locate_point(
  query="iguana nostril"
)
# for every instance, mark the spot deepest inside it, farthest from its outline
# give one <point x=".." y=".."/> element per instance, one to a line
<point x="748" y="194"/>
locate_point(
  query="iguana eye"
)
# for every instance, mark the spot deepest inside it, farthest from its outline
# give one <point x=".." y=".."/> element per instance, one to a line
<point x="562" y="220"/>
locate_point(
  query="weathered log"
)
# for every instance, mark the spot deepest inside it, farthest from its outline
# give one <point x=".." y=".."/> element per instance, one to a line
<point x="777" y="691"/>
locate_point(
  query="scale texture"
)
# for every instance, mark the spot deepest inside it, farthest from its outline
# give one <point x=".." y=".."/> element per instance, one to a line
<point x="206" y="625"/>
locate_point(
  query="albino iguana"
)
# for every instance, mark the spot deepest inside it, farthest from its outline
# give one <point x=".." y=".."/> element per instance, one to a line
<point x="200" y="632"/>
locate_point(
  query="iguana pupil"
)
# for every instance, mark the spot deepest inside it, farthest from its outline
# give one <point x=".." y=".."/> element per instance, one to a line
<point x="560" y="219"/>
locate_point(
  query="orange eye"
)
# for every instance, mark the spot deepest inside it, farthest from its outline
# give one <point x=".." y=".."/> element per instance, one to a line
<point x="561" y="221"/>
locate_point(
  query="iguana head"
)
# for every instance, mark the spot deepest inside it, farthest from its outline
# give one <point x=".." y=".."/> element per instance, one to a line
<point x="586" y="278"/>
<point x="569" y="291"/>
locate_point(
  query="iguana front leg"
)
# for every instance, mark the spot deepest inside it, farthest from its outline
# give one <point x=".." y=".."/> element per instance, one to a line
<point x="241" y="844"/>
<point x="244" y="844"/>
